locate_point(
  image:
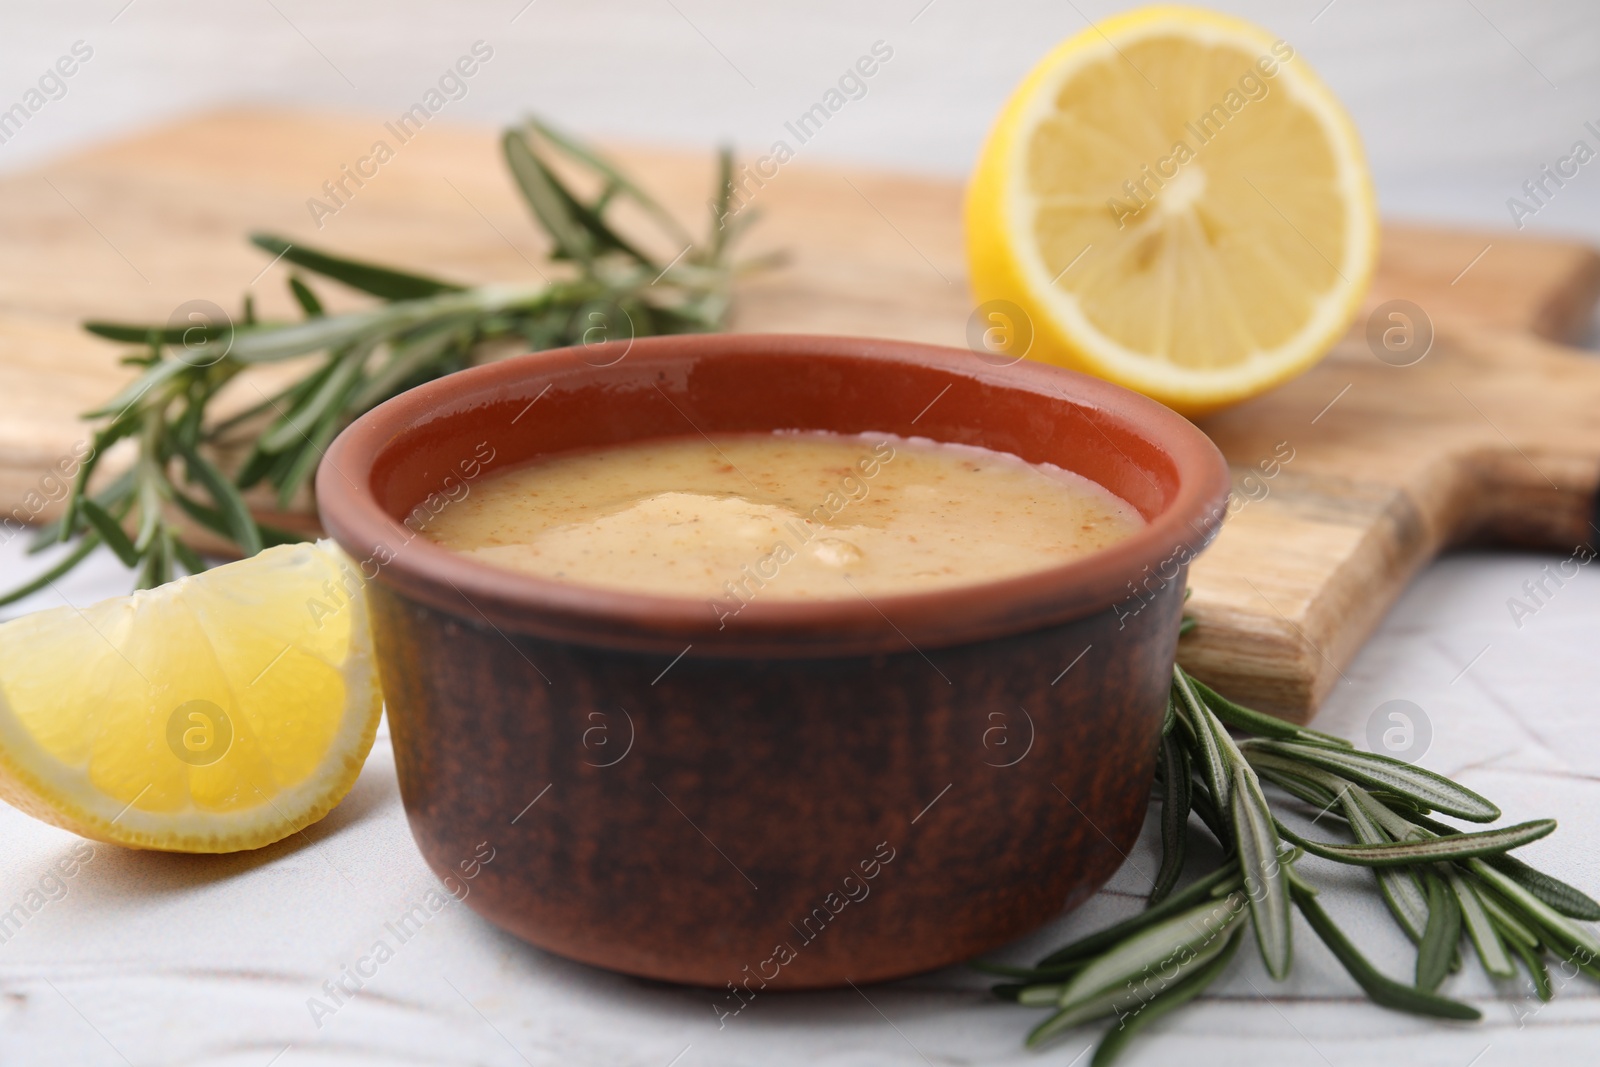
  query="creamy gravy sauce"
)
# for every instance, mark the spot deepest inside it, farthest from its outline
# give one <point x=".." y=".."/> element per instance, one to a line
<point x="782" y="516"/>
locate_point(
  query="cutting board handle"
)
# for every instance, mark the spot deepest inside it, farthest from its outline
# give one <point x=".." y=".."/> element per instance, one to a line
<point x="1514" y="498"/>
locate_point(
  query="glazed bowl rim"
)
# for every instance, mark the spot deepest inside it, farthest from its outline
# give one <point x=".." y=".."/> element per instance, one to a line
<point x="481" y="593"/>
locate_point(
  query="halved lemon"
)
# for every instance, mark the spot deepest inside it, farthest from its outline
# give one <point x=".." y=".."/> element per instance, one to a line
<point x="222" y="711"/>
<point x="1176" y="203"/>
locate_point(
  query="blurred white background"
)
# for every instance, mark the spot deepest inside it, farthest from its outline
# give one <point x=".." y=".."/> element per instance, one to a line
<point x="1460" y="101"/>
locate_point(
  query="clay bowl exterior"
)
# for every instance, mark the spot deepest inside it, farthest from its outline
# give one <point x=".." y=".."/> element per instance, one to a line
<point x="792" y="795"/>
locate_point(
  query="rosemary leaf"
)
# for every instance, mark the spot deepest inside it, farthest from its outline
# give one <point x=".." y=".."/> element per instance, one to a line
<point x="305" y="297"/>
<point x="1186" y="989"/>
<point x="1569" y="901"/>
<point x="151" y="491"/>
<point x="1511" y="928"/>
<point x="153" y="335"/>
<point x="1201" y="803"/>
<point x="1256" y="838"/>
<point x="306" y="459"/>
<point x="1433" y="790"/>
<point x="1432" y="849"/>
<point x="1222" y="879"/>
<point x="1030" y="975"/>
<point x="412" y="358"/>
<point x="723" y="203"/>
<point x="1175" y="810"/>
<point x="1041" y="996"/>
<point x="109" y="496"/>
<point x="1295" y="785"/>
<point x="1134" y="973"/>
<point x="188" y="557"/>
<point x="1562" y="933"/>
<point x="87" y="544"/>
<point x="259" y="465"/>
<point x="1481" y="929"/>
<point x="1255" y="722"/>
<point x="1213" y="766"/>
<point x="213" y="520"/>
<point x="1536" y="970"/>
<point x="110" y="530"/>
<point x="148" y="382"/>
<point x="1441" y="936"/>
<point x="1402" y="893"/>
<point x="241" y="525"/>
<point x="602" y="238"/>
<point x="282" y="400"/>
<point x="1065" y="1019"/>
<point x="1381" y="988"/>
<point x="267" y="343"/>
<point x="1296" y="880"/>
<point x="1363" y="827"/>
<point x="1141" y="956"/>
<point x="1398" y="827"/>
<point x="149" y="574"/>
<point x="538" y="189"/>
<point x="333" y="389"/>
<point x="370" y="278"/>
<point x="616" y="180"/>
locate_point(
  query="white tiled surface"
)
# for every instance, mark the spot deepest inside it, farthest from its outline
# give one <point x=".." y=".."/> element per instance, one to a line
<point x="152" y="959"/>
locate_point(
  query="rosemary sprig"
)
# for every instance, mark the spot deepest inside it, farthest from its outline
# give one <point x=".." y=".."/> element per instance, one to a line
<point x="604" y="285"/>
<point x="1441" y="884"/>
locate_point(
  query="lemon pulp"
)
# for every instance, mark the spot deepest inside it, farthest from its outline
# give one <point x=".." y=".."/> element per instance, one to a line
<point x="221" y="711"/>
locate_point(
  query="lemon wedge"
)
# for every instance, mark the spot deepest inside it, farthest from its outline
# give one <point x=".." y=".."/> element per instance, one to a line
<point x="1175" y="202"/>
<point x="222" y="711"/>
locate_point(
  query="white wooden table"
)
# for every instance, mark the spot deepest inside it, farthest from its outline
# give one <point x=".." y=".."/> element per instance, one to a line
<point x="155" y="959"/>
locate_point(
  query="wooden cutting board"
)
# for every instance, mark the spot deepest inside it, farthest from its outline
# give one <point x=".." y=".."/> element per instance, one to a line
<point x="1491" y="436"/>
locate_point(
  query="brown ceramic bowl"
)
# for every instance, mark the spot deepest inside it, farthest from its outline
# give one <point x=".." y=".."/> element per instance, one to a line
<point x="813" y="792"/>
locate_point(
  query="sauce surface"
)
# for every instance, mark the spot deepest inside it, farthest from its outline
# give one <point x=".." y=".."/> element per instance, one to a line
<point x="782" y="516"/>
